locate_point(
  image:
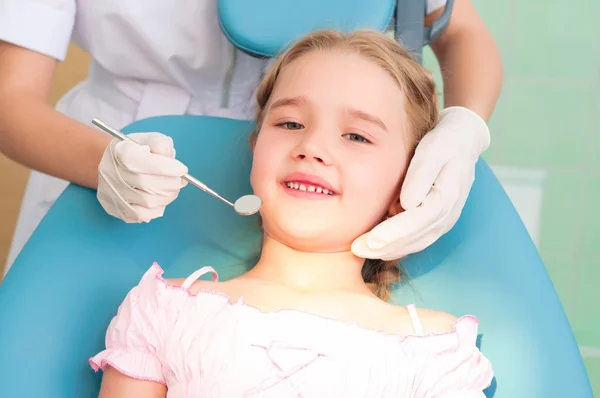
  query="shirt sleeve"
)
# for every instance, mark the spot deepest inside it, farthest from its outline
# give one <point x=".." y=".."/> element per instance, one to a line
<point x="44" y="26"/>
<point x="461" y="371"/>
<point x="134" y="338"/>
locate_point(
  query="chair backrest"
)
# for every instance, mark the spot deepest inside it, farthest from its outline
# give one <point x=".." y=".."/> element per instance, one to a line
<point x="265" y="27"/>
<point x="65" y="286"/>
<point x="266" y="33"/>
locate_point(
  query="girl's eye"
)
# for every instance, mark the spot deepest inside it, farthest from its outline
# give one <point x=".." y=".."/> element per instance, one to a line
<point x="357" y="138"/>
<point x="291" y="125"/>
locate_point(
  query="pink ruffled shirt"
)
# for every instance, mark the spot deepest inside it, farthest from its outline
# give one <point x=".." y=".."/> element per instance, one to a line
<point x="201" y="345"/>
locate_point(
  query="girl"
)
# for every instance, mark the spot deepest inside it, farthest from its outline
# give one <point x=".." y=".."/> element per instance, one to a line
<point x="310" y="319"/>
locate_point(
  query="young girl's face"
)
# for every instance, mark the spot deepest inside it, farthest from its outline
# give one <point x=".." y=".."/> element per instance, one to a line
<point x="331" y="152"/>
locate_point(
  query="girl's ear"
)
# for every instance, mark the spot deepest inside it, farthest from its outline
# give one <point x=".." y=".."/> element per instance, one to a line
<point x="395" y="208"/>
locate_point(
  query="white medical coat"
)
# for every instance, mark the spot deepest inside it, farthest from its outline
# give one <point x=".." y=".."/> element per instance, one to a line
<point x="149" y="57"/>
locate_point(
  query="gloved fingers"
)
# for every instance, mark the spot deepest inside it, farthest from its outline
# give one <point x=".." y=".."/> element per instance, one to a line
<point x="360" y="248"/>
<point x="415" y="245"/>
<point x="422" y="172"/>
<point x="454" y="183"/>
<point x="148" y="200"/>
<point x="145" y="214"/>
<point x="398" y="236"/>
<point x="113" y="203"/>
<point x="396" y="251"/>
<point x="154" y="184"/>
<point x="135" y="213"/>
<point x="127" y="195"/>
<point x="460" y="134"/>
<point x="456" y="210"/>
<point x="159" y="144"/>
<point x="408" y="223"/>
<point x="139" y="160"/>
<point x="120" y="198"/>
<point x="146" y="191"/>
<point x="449" y="193"/>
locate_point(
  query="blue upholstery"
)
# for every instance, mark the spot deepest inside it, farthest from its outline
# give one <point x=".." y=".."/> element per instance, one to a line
<point x="65" y="286"/>
<point x="264" y="27"/>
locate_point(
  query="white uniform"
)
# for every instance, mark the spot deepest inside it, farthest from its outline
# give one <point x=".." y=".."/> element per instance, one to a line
<point x="149" y="57"/>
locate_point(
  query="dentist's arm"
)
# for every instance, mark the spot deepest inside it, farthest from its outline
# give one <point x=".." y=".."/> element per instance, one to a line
<point x="442" y="171"/>
<point x="469" y="60"/>
<point x="32" y="132"/>
<point x="134" y="183"/>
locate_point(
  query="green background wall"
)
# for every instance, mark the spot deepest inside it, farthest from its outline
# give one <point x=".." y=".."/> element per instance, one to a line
<point x="548" y="118"/>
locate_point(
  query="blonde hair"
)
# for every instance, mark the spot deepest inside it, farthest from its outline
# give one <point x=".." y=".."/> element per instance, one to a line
<point x="412" y="78"/>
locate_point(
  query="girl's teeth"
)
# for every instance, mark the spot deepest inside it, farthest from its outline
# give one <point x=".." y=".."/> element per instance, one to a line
<point x="309" y="188"/>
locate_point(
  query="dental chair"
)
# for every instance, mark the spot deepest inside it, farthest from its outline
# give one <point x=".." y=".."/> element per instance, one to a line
<point x="59" y="296"/>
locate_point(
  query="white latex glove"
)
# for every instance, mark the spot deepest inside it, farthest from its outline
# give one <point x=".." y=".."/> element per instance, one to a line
<point x="136" y="182"/>
<point x="435" y="189"/>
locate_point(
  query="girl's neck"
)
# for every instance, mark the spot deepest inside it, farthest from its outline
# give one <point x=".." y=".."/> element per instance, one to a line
<point x="308" y="271"/>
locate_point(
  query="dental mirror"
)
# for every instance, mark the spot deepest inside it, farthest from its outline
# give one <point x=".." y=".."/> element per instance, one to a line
<point x="247" y="205"/>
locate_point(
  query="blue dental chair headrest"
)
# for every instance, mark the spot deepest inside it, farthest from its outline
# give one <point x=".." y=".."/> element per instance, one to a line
<point x="63" y="289"/>
<point x="279" y="22"/>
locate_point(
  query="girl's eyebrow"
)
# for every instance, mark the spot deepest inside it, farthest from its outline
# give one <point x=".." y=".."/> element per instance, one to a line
<point x="357" y="113"/>
<point x="294" y="101"/>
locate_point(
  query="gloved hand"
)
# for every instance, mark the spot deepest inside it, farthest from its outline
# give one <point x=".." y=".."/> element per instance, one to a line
<point x="136" y="182"/>
<point x="435" y="189"/>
